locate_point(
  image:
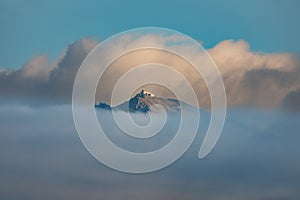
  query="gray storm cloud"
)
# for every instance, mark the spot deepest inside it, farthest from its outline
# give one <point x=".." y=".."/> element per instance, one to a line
<point x="251" y="78"/>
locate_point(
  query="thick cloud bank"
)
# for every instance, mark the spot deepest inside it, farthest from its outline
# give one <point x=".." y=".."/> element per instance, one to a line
<point x="44" y="82"/>
<point x="41" y="156"/>
<point x="251" y="78"/>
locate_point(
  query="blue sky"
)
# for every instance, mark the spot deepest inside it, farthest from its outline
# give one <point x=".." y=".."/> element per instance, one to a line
<point x="30" y="28"/>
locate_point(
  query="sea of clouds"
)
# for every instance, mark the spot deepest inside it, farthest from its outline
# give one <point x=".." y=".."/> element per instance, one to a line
<point x="256" y="157"/>
<point x="42" y="157"/>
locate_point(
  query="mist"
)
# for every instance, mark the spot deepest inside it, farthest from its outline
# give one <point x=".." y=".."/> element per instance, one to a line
<point x="42" y="157"/>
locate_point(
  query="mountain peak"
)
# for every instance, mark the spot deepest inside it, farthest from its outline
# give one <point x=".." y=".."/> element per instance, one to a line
<point x="145" y="101"/>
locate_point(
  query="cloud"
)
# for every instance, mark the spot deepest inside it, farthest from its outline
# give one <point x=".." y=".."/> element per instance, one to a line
<point x="37" y="68"/>
<point x="255" y="158"/>
<point x="43" y="82"/>
<point x="292" y="101"/>
<point x="251" y="78"/>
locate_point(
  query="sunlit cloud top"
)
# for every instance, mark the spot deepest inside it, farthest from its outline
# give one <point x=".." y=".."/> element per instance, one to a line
<point x="251" y="78"/>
